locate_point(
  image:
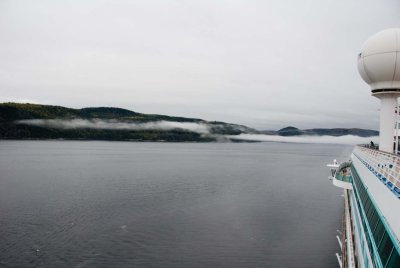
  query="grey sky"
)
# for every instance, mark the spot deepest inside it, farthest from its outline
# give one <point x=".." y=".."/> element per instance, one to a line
<point x="266" y="64"/>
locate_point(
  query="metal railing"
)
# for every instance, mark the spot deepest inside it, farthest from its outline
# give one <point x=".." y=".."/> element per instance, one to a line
<point x="385" y="166"/>
<point x="343" y="177"/>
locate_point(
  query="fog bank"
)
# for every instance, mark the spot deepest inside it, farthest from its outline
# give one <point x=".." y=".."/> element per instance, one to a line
<point x="200" y="128"/>
<point x="347" y="139"/>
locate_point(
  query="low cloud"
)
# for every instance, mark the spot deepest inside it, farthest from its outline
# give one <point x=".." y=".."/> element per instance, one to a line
<point x="347" y="139"/>
<point x="200" y="128"/>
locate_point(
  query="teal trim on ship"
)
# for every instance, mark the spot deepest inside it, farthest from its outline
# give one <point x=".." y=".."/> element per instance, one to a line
<point x="370" y="227"/>
<point x="383" y="246"/>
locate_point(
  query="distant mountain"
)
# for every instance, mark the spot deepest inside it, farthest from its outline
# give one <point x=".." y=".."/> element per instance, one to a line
<point x="35" y="121"/>
<point x="290" y="131"/>
<point x="341" y="132"/>
<point x="293" y="131"/>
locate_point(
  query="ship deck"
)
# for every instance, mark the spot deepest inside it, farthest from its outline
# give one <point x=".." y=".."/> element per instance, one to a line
<point x="376" y="187"/>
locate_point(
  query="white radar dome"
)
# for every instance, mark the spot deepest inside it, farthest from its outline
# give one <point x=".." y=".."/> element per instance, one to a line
<point x="379" y="61"/>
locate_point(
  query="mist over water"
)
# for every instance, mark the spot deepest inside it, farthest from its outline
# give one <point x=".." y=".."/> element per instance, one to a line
<point x="346" y="139"/>
<point x="126" y="204"/>
<point x="201" y="128"/>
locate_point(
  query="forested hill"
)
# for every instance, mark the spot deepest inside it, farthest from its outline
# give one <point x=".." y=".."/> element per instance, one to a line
<point x="34" y="121"/>
<point x="293" y="131"/>
<point x="21" y="111"/>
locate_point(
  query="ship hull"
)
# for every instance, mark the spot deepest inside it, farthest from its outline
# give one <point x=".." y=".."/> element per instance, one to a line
<point x="371" y="220"/>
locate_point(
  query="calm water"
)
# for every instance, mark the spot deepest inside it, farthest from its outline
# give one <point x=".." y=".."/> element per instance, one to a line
<point x="122" y="204"/>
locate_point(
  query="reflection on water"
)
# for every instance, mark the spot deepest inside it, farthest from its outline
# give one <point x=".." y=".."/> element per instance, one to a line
<point x="121" y="204"/>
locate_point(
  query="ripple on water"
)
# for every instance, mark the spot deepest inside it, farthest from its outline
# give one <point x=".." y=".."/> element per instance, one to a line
<point x="105" y="204"/>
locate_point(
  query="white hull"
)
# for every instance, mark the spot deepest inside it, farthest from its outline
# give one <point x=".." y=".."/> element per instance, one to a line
<point x="371" y="225"/>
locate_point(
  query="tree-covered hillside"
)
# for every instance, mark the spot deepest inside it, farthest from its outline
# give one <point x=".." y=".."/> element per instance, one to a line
<point x="336" y="132"/>
<point x="16" y="118"/>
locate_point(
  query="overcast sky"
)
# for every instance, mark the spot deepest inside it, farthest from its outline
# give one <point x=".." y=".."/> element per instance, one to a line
<point x="267" y="64"/>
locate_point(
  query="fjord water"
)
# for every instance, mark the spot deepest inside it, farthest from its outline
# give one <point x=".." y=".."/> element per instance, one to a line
<point x="126" y="204"/>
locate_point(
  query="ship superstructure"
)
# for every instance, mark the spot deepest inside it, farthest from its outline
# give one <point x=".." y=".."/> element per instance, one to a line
<point x="371" y="178"/>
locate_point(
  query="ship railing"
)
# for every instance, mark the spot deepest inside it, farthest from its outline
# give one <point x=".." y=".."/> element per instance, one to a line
<point x="370" y="146"/>
<point x="343" y="177"/>
<point x="340" y="175"/>
<point x="385" y="166"/>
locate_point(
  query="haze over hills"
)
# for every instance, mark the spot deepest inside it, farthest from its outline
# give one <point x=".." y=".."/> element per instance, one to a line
<point x="35" y="121"/>
<point x="336" y="132"/>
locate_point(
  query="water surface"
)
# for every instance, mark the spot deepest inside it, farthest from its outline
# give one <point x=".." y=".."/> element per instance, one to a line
<point x="125" y="204"/>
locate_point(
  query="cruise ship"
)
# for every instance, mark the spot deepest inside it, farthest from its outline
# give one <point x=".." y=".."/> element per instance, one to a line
<point x="371" y="177"/>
